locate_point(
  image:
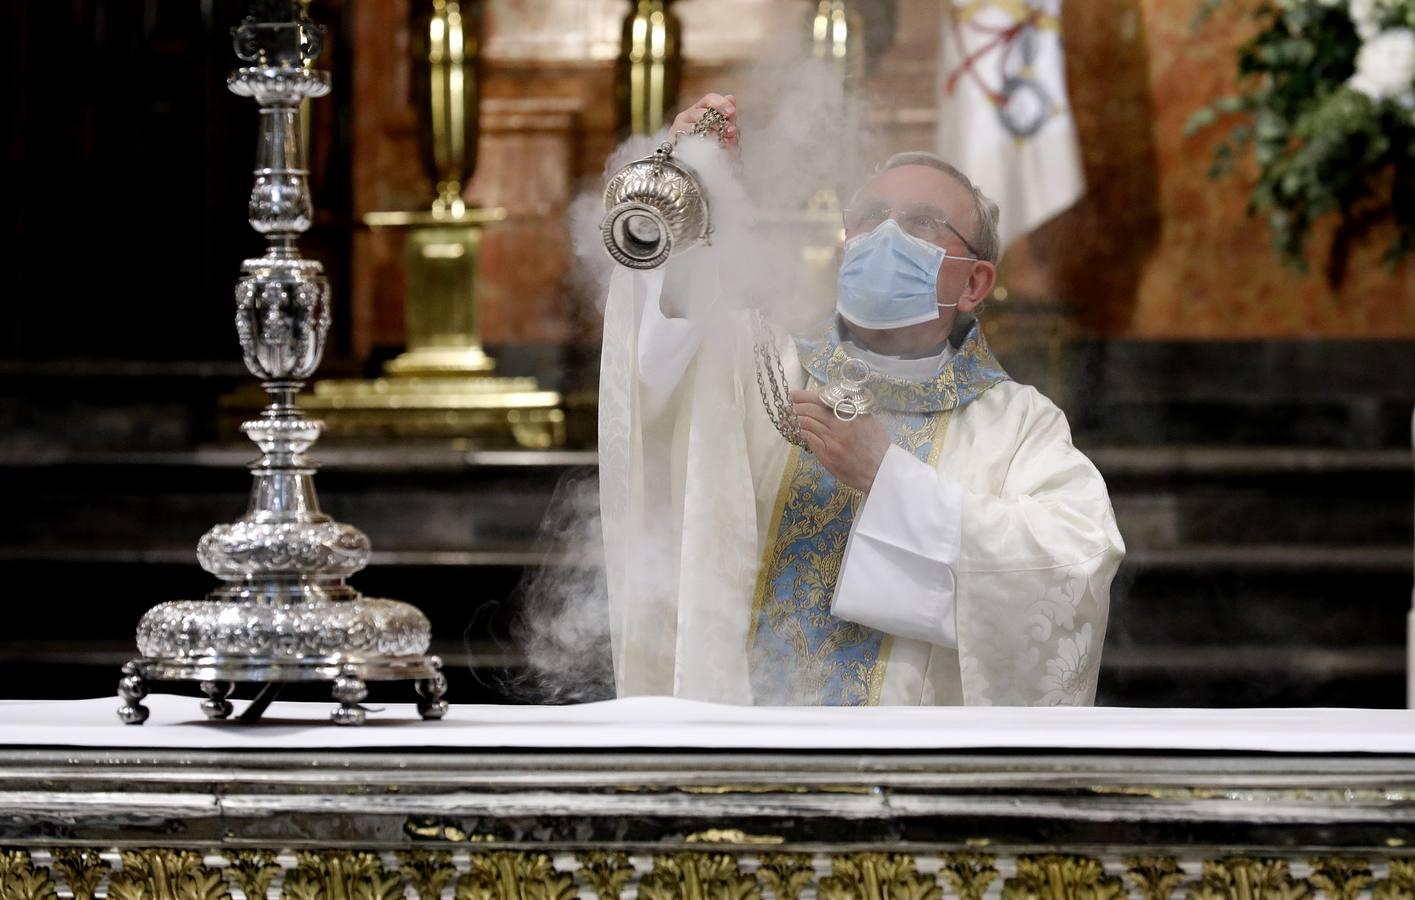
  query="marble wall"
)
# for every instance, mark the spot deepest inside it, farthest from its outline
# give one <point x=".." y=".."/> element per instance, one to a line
<point x="1155" y="250"/>
<point x="1158" y="249"/>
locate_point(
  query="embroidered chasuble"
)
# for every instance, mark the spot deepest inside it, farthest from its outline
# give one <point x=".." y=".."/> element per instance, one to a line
<point x="977" y="570"/>
<point x="800" y="653"/>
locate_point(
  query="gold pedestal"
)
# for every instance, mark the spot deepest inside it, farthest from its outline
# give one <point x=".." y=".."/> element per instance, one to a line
<point x="442" y="386"/>
<point x="484" y="410"/>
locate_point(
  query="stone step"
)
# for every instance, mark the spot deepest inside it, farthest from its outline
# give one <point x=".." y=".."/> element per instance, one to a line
<point x="1318" y="596"/>
<point x="1330" y="393"/>
<point x="483" y="671"/>
<point x="76" y="669"/>
<point x="412" y="497"/>
<point x="449" y="458"/>
<point x="1240" y="675"/>
<point x="443" y="499"/>
<point x="1282" y="392"/>
<point x="1168" y="496"/>
<point x="1215" y="559"/>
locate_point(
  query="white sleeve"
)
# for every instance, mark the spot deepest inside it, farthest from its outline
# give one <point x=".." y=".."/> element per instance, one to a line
<point x="667" y="344"/>
<point x="899" y="571"/>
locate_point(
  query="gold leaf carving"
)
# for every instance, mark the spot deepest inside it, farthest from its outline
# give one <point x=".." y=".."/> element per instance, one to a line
<point x="83" y="869"/>
<point x="1155" y="877"/>
<point x="166" y="874"/>
<point x="428" y="871"/>
<point x="731" y="836"/>
<point x="1401" y="883"/>
<point x="969" y="874"/>
<point x="698" y="876"/>
<point x="514" y="876"/>
<point x="346" y="875"/>
<point x="1339" y="877"/>
<point x="606" y="873"/>
<point x="786" y="874"/>
<point x="1056" y="877"/>
<point x="20" y="880"/>
<point x="431" y="828"/>
<point x="877" y="876"/>
<point x="1245" y="878"/>
<point x="252" y="871"/>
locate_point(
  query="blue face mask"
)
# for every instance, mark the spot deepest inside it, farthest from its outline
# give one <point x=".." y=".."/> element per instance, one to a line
<point x="889" y="279"/>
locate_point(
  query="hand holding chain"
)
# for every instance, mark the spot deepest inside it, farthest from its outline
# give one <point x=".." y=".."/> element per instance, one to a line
<point x="712" y="122"/>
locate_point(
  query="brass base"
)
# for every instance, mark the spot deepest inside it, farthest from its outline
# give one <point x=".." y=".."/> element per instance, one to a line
<point x="485" y="409"/>
<point x="435" y="362"/>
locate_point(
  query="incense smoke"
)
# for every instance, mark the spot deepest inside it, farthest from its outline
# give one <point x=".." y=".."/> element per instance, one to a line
<point x="803" y="146"/>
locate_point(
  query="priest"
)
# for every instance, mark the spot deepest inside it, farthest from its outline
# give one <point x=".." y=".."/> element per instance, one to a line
<point x="946" y="545"/>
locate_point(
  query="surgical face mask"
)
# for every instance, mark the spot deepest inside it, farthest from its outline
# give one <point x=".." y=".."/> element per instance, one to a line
<point x="889" y="279"/>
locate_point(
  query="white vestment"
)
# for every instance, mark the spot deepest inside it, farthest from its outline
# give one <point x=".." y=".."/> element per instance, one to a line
<point x="987" y="567"/>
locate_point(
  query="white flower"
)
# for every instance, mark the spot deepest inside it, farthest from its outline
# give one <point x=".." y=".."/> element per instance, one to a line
<point x="1366" y="16"/>
<point x="1385" y="66"/>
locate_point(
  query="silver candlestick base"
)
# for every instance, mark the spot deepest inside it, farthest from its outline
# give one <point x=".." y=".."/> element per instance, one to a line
<point x="285" y="613"/>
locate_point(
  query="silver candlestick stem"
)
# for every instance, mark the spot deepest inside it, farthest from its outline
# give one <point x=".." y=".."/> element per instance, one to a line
<point x="285" y="613"/>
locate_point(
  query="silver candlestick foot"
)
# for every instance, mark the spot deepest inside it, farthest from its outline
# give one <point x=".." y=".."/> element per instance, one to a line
<point x="218" y="678"/>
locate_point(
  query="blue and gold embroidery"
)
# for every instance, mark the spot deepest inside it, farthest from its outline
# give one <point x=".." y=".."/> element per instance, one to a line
<point x="972" y="370"/>
<point x="800" y="653"/>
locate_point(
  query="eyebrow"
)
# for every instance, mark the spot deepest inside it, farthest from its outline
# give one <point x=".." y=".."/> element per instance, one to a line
<point x="875" y="204"/>
<point x="935" y="211"/>
<point x="868" y="203"/>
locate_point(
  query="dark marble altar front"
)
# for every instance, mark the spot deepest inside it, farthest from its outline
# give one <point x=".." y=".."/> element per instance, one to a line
<point x="544" y="820"/>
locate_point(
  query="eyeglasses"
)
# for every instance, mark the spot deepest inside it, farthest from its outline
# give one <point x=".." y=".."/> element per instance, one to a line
<point x="925" y="222"/>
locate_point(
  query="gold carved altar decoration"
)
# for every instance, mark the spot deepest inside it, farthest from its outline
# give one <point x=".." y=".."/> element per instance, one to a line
<point x="649" y="67"/>
<point x="86" y="873"/>
<point x="443" y="385"/>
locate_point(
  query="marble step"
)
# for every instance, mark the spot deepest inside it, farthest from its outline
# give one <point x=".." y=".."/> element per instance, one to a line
<point x="1315" y="596"/>
<point x="443" y="499"/>
<point x="76" y="669"/>
<point x="1214" y="559"/>
<point x="1236" y="674"/>
<point x="1334" y="393"/>
<point x="483" y="671"/>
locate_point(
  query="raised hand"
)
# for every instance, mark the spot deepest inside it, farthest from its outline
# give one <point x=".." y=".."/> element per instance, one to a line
<point x="725" y="104"/>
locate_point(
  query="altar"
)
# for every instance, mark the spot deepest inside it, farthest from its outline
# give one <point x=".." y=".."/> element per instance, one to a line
<point x="664" y="798"/>
<point x="1250" y="426"/>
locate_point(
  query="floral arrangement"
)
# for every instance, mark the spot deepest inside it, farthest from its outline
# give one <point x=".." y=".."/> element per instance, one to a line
<point x="1328" y="109"/>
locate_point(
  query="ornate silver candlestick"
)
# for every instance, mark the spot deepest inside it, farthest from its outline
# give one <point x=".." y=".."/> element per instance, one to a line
<point x="285" y="613"/>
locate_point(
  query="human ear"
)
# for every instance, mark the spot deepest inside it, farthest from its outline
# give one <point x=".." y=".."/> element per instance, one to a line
<point x="978" y="287"/>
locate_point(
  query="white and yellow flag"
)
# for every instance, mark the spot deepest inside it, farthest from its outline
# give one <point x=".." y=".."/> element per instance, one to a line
<point x="1003" y="115"/>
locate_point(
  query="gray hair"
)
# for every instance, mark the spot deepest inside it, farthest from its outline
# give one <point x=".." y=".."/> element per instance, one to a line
<point x="986" y="241"/>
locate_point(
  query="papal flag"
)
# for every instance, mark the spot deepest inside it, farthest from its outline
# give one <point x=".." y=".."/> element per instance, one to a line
<point x="1003" y="116"/>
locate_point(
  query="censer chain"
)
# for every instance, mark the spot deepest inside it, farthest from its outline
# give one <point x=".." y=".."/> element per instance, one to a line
<point x="776" y="399"/>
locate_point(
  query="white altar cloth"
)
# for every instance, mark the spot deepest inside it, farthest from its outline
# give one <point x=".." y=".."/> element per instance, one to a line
<point x="667" y="723"/>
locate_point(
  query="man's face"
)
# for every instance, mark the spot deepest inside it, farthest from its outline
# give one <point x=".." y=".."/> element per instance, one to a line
<point x="917" y="197"/>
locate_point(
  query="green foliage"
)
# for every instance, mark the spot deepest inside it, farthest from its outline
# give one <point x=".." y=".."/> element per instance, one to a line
<point x="1321" y="147"/>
